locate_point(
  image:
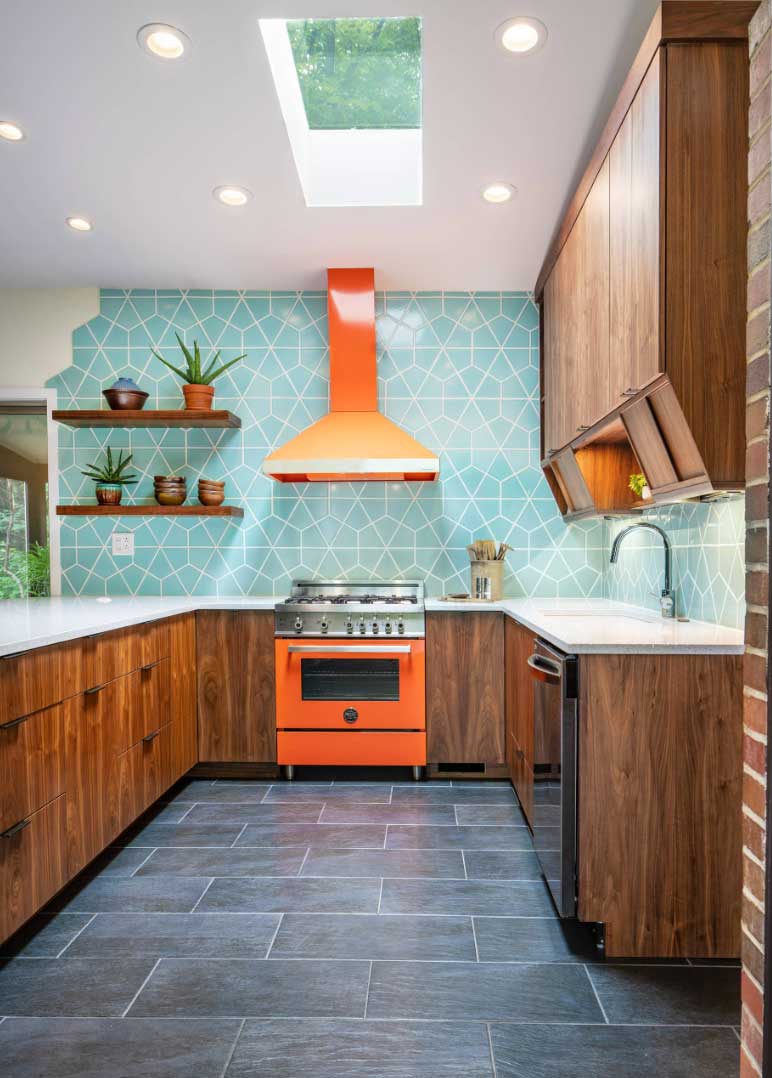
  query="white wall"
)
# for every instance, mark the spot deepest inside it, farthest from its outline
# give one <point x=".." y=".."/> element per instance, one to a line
<point x="36" y="327"/>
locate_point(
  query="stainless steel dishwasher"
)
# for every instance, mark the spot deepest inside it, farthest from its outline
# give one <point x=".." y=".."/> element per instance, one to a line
<point x="555" y="696"/>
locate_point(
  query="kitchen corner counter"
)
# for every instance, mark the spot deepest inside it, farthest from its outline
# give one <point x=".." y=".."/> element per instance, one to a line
<point x="605" y="627"/>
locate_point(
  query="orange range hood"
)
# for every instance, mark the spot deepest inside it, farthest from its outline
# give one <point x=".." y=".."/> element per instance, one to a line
<point x="354" y="442"/>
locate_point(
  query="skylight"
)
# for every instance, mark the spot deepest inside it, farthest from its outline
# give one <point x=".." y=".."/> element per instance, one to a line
<point x="350" y="95"/>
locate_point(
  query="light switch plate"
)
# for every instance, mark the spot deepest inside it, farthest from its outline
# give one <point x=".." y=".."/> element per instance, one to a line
<point x="123" y="544"/>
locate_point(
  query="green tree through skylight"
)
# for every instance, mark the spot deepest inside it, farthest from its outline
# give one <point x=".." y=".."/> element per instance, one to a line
<point x="358" y="73"/>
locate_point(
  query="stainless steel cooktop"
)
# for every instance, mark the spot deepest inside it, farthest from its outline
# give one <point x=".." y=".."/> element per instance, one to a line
<point x="345" y="609"/>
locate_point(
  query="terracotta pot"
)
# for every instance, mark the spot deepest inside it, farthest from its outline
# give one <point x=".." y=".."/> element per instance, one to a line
<point x="109" y="493"/>
<point x="198" y="398"/>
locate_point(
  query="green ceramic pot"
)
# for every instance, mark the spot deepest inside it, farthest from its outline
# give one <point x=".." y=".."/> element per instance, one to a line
<point x="109" y="493"/>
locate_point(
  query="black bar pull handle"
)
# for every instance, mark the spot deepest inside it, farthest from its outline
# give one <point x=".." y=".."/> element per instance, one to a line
<point x="17" y="827"/>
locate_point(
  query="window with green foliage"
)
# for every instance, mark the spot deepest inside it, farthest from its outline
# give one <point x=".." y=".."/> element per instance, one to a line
<point x="25" y="570"/>
<point x="358" y="73"/>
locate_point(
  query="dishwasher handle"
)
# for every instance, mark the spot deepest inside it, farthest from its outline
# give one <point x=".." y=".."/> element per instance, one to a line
<point x="350" y="649"/>
<point x="544" y="669"/>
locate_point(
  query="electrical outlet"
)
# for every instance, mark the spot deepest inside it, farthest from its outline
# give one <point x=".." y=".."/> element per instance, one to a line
<point x="123" y="544"/>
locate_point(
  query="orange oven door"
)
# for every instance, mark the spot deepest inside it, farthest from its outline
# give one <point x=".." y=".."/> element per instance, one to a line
<point x="350" y="685"/>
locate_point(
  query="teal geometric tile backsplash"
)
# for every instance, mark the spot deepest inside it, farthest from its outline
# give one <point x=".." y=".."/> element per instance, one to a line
<point x="458" y="371"/>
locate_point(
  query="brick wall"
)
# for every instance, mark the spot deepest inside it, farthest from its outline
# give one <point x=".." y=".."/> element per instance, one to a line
<point x="757" y="557"/>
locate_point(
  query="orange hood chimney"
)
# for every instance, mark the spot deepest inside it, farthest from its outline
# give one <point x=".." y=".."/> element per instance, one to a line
<point x="353" y="442"/>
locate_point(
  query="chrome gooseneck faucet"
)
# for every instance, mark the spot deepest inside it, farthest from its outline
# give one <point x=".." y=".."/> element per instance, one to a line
<point x="667" y="595"/>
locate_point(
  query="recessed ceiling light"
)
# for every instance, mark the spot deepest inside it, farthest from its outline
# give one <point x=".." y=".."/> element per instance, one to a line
<point x="498" y="192"/>
<point x="10" y="132"/>
<point x="162" y="41"/>
<point x="522" y="34"/>
<point x="230" y="195"/>
<point x="80" y="224"/>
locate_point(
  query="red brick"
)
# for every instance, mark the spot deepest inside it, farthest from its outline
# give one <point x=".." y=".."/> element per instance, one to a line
<point x="759" y="201"/>
<point x="758" y="158"/>
<point x="761" y="64"/>
<point x="757" y="460"/>
<point x="759" y="287"/>
<point x="757" y="418"/>
<point x="756" y="545"/>
<point x="754" y="838"/>
<point x="754" y="796"/>
<point x="756" y="581"/>
<point x="752" y="998"/>
<point x="753" y="879"/>
<point x="747" y="1070"/>
<point x="755" y="675"/>
<point x="757" y="340"/>
<point x="752" y="1043"/>
<point x="757" y="508"/>
<point x="758" y="245"/>
<point x="754" y="752"/>
<point x="753" y="918"/>
<point x="757" y="371"/>
<point x="759" y="111"/>
<point x="753" y="959"/>
<point x="755" y="710"/>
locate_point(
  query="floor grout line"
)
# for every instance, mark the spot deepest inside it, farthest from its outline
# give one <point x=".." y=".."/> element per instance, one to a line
<point x="384" y="1021"/>
<point x="265" y="795"/>
<point x="490" y="1048"/>
<point x="273" y="937"/>
<point x="185" y="814"/>
<point x="229" y="1059"/>
<point x="195" y="904"/>
<point x="466" y="874"/>
<point x="380" y="896"/>
<point x="595" y="990"/>
<point x="136" y="994"/>
<point x="83" y="929"/>
<point x="144" y="862"/>
<point x="238" y="836"/>
<point x="297" y="875"/>
<point x="321" y="813"/>
<point x="474" y="937"/>
<point x="367" y="994"/>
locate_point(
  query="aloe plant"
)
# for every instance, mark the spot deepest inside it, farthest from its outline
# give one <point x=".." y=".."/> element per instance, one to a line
<point x="112" y="470"/>
<point x="195" y="375"/>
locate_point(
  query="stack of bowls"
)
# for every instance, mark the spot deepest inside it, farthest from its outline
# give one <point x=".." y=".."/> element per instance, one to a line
<point x="211" y="491"/>
<point x="169" y="490"/>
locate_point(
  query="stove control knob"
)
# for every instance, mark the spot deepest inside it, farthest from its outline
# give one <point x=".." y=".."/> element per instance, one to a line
<point x="349" y="625"/>
<point x="298" y="624"/>
<point x="324" y="625"/>
<point x="362" y="626"/>
<point x="387" y="627"/>
<point x="400" y="626"/>
<point x="375" y="627"/>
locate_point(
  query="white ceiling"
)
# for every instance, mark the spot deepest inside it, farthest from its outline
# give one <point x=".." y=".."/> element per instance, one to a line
<point x="137" y="145"/>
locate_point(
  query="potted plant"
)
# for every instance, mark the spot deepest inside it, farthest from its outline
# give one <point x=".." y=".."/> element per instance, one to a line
<point x="110" y="478"/>
<point x="197" y="381"/>
<point x="639" y="486"/>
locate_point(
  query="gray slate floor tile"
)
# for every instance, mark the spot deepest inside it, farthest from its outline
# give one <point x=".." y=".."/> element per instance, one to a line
<point x="140" y="894"/>
<point x="403" y="837"/>
<point x="303" y="812"/>
<point x="120" y="861"/>
<point x="535" y="1051"/>
<point x="482" y="992"/>
<point x="428" y="793"/>
<point x="375" y="936"/>
<point x="292" y="894"/>
<point x="502" y="865"/>
<point x="45" y="935"/>
<point x="389" y="814"/>
<point x="693" y="995"/>
<point x="235" y="862"/>
<point x="82" y="987"/>
<point x="176" y="935"/>
<point x="532" y="939"/>
<point x="489" y="814"/>
<point x="340" y="1049"/>
<point x="200" y="988"/>
<point x="96" y="1048"/>
<point x="182" y="834"/>
<point x="434" y="864"/>
<point x="342" y="836"/>
<point x="368" y="794"/>
<point x="206" y="790"/>
<point x="491" y="897"/>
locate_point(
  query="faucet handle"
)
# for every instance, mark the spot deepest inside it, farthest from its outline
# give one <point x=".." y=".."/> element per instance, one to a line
<point x="667" y="604"/>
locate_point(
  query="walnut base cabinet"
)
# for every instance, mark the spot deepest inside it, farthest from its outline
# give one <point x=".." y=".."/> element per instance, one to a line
<point x="520" y="714"/>
<point x="465" y="712"/>
<point x="655" y="236"/>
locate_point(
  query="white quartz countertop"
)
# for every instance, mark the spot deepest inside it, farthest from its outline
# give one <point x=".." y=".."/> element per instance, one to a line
<point x="605" y="627"/>
<point x="580" y="626"/>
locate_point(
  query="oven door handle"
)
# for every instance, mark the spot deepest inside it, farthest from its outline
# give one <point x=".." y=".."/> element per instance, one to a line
<point x="544" y="669"/>
<point x="349" y="649"/>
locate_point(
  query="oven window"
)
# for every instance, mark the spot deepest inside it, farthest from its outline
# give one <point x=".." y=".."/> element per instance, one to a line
<point x="350" y="679"/>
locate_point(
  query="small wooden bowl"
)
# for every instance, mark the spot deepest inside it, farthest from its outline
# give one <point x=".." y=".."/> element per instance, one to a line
<point x="168" y="497"/>
<point x="169" y="479"/>
<point x="211" y="497"/>
<point x="125" y="400"/>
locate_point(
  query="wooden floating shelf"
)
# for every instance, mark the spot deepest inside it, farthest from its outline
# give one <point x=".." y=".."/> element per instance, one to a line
<point x="149" y="511"/>
<point x="102" y="418"/>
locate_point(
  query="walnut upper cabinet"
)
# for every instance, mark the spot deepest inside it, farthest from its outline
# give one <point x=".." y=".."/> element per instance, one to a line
<point x="643" y="291"/>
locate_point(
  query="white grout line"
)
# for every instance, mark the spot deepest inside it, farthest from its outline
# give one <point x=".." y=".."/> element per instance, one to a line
<point x="85" y="926"/>
<point x="474" y="937"/>
<point x="195" y="905"/>
<point x="237" y="1038"/>
<point x="273" y="937"/>
<point x="299" y="871"/>
<point x="139" y="866"/>
<point x="595" y="990"/>
<point x="386" y="837"/>
<point x="367" y="996"/>
<point x="319" y="817"/>
<point x="463" y="862"/>
<point x="238" y="836"/>
<point x="136" y="994"/>
<point x="490" y="1049"/>
<point x="182" y="817"/>
<point x="380" y="897"/>
<point x="455" y="815"/>
<point x="265" y="795"/>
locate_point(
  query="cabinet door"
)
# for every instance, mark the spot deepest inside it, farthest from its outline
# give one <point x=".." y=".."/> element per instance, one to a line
<point x="184" y="733"/>
<point x="519" y="711"/>
<point x="31" y="764"/>
<point x="32" y="865"/>
<point x="145" y="771"/>
<point x="634" y="184"/>
<point x="465" y="690"/>
<point x="236" y="695"/>
<point x="557" y="426"/>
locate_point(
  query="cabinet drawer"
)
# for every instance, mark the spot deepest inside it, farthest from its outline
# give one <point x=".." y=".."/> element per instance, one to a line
<point x="116" y="653"/>
<point x="145" y="773"/>
<point x="31" y="763"/>
<point x="32" y="865"/>
<point x="150" y="700"/>
<point x="39" y="678"/>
